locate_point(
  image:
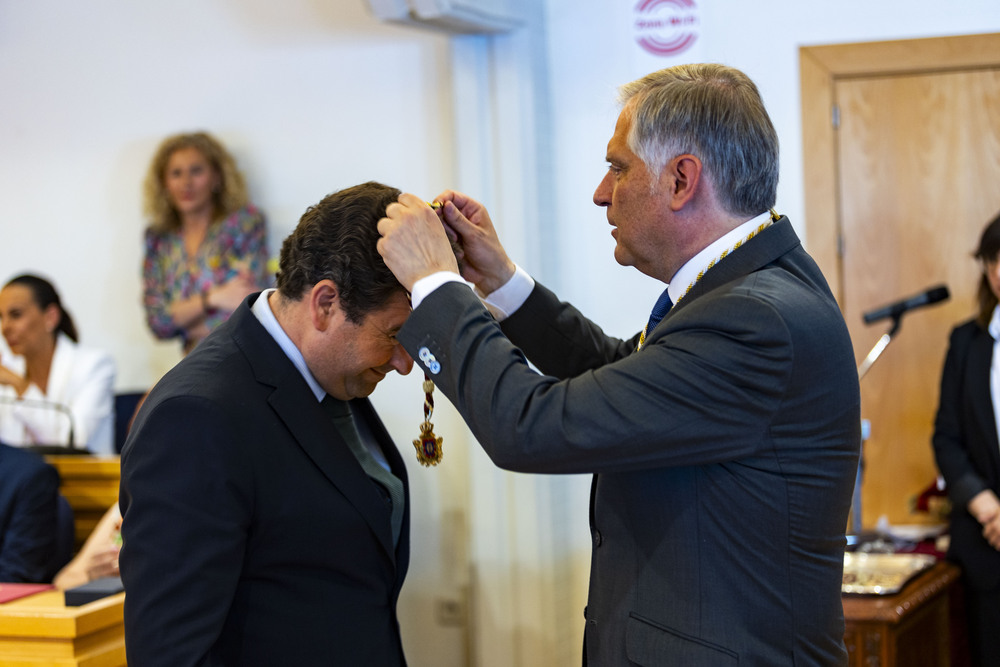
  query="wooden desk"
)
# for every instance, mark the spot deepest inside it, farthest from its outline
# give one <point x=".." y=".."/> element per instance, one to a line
<point x="908" y="629"/>
<point x="41" y="630"/>
<point x="90" y="484"/>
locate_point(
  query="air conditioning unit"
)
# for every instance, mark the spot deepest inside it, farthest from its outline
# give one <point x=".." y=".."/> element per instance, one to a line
<point x="460" y="16"/>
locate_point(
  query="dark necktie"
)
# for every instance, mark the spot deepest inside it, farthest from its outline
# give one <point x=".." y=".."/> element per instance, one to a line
<point x="340" y="413"/>
<point x="660" y="309"/>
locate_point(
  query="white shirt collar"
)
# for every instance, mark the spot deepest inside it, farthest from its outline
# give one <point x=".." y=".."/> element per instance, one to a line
<point x="994" y="326"/>
<point x="689" y="272"/>
<point x="262" y="311"/>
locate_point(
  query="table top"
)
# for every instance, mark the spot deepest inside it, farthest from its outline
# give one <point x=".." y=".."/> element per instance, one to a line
<point x="86" y="466"/>
<point x="45" y="614"/>
<point x="893" y="608"/>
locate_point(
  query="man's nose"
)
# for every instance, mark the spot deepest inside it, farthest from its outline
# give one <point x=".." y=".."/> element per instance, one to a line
<point x="401" y="360"/>
<point x="602" y="195"/>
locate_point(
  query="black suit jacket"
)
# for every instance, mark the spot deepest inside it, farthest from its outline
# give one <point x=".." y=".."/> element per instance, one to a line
<point x="252" y="536"/>
<point x="29" y="491"/>
<point x="725" y="452"/>
<point x="966" y="448"/>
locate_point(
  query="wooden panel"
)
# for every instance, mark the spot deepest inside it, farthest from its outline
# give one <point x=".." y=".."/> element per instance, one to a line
<point x="41" y="630"/>
<point x="907" y="55"/>
<point x="90" y="484"/>
<point x="909" y="629"/>
<point x="916" y="154"/>
<point x="819" y="161"/>
<point x="931" y="177"/>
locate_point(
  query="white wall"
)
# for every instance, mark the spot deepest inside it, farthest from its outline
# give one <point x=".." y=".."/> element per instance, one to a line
<point x="303" y="92"/>
<point x="311" y="96"/>
<point x="315" y="95"/>
<point x="591" y="52"/>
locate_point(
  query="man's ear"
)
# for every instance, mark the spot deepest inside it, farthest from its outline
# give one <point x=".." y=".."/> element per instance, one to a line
<point x="324" y="304"/>
<point x="682" y="175"/>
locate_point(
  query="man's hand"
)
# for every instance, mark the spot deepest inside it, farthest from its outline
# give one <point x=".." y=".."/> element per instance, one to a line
<point x="482" y="258"/>
<point x="986" y="508"/>
<point x="414" y="243"/>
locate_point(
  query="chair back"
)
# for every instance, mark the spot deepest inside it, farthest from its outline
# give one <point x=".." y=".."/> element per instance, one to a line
<point x="125" y="406"/>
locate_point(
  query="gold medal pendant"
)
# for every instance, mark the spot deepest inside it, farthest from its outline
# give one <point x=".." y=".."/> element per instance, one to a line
<point x="428" y="446"/>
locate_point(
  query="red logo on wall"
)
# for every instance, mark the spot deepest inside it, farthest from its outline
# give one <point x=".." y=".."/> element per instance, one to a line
<point x="666" y="27"/>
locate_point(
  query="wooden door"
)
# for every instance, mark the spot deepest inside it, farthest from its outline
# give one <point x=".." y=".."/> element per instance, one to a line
<point x="914" y="177"/>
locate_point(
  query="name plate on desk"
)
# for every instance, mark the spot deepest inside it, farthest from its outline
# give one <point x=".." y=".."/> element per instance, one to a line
<point x="93" y="590"/>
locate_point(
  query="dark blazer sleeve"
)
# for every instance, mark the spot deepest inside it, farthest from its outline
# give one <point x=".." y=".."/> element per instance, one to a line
<point x="723" y="369"/>
<point x="186" y="498"/>
<point x="559" y="339"/>
<point x="28" y="517"/>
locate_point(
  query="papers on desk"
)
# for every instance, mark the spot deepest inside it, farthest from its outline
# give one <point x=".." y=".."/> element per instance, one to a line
<point x="10" y="592"/>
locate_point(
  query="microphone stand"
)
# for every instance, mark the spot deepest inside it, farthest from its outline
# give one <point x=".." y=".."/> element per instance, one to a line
<point x="880" y="345"/>
<point x="863" y="369"/>
<point x="46" y="405"/>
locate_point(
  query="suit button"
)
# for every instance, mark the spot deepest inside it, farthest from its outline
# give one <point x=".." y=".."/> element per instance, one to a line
<point x="598" y="538"/>
<point x="426" y="356"/>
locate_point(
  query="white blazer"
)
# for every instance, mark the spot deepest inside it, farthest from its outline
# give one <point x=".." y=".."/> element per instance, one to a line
<point x="81" y="386"/>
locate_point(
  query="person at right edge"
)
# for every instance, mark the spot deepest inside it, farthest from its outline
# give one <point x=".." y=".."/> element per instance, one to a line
<point x="968" y="456"/>
<point x="723" y="442"/>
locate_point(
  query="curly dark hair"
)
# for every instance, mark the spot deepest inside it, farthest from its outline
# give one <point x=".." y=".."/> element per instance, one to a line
<point x="336" y="240"/>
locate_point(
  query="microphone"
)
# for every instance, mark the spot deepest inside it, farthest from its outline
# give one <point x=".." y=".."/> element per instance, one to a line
<point x="895" y="310"/>
<point x="43" y="405"/>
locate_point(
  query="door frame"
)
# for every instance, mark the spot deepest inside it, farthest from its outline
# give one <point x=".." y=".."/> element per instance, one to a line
<point x="820" y="67"/>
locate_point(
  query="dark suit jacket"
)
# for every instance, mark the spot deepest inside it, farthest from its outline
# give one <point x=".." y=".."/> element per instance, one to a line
<point x="725" y="452"/>
<point x="251" y="534"/>
<point x="966" y="448"/>
<point x="29" y="490"/>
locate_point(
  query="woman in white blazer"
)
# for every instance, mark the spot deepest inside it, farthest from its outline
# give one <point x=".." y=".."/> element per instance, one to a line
<point x="50" y="387"/>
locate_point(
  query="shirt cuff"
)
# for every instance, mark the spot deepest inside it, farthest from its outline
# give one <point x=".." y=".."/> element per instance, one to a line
<point x="428" y="284"/>
<point x="501" y="302"/>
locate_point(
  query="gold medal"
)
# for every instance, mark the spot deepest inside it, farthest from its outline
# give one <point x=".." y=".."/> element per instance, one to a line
<point x="428" y="446"/>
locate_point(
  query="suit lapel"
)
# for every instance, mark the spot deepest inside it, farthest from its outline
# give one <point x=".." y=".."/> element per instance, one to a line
<point x="310" y="426"/>
<point x="758" y="252"/>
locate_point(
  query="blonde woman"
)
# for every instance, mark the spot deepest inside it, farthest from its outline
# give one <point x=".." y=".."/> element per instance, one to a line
<point x="206" y="245"/>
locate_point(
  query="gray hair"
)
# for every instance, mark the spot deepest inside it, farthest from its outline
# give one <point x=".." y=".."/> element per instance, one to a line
<point x="715" y="113"/>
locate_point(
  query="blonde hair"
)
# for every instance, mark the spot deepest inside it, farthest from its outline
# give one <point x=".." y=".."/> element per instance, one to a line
<point x="232" y="192"/>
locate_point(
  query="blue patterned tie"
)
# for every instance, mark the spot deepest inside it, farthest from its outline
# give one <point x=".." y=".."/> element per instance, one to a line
<point x="660" y="309"/>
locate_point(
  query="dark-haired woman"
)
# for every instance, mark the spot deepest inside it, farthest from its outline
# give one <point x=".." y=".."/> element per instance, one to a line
<point x="45" y="372"/>
<point x="206" y="246"/>
<point x="968" y="454"/>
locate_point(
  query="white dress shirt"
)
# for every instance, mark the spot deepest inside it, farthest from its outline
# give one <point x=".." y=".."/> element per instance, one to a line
<point x="80" y="394"/>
